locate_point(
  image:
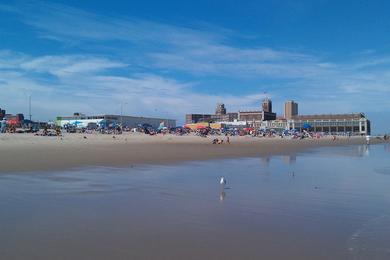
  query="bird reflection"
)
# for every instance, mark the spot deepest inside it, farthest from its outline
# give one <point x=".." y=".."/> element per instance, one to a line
<point x="222" y="195"/>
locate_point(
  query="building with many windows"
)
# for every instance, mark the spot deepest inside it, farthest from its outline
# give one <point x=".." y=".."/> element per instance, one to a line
<point x="356" y="123"/>
<point x="290" y="109"/>
<point x="266" y="105"/>
<point x="81" y="121"/>
<point x="333" y="123"/>
<point x="221" y="115"/>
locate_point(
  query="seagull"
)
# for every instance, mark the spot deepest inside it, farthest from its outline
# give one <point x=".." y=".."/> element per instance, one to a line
<point x="222" y="181"/>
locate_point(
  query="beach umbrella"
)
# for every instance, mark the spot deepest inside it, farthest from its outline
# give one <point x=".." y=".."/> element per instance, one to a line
<point x="77" y="123"/>
<point x="201" y="127"/>
<point x="306" y="126"/>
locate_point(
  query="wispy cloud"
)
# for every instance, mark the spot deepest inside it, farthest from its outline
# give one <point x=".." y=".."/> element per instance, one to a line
<point x="67" y="65"/>
<point x="99" y="91"/>
<point x="65" y="23"/>
<point x="194" y="50"/>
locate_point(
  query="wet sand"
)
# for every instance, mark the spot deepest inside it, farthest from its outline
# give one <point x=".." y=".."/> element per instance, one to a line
<point x="25" y="152"/>
<point x="335" y="206"/>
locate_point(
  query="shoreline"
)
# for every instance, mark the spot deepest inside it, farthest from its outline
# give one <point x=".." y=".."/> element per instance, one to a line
<point x="29" y="153"/>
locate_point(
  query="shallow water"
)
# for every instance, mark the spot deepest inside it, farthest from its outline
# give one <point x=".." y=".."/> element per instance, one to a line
<point x="329" y="203"/>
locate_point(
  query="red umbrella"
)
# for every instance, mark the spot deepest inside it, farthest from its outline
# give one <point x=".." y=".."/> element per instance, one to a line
<point x="13" y="122"/>
<point x="201" y="127"/>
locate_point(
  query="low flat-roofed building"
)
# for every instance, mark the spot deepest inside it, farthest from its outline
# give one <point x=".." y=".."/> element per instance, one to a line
<point x="356" y="123"/>
<point x="255" y="116"/>
<point x="196" y="118"/>
<point x="278" y="124"/>
<point x="81" y="120"/>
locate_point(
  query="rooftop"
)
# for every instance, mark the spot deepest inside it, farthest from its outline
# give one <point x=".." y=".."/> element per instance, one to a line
<point x="330" y="116"/>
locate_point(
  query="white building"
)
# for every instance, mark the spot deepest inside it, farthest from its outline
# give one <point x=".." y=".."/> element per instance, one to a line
<point x="82" y="121"/>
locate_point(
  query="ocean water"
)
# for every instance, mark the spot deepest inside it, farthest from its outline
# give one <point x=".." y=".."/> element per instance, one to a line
<point x="327" y="203"/>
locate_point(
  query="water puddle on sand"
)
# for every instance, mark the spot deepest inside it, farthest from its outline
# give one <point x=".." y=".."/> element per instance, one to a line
<point x="330" y="203"/>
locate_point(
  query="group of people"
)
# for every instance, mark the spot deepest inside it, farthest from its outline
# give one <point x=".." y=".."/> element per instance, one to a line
<point x="4" y="128"/>
<point x="220" y="140"/>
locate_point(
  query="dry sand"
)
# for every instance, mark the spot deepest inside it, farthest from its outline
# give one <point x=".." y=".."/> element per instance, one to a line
<point x="26" y="152"/>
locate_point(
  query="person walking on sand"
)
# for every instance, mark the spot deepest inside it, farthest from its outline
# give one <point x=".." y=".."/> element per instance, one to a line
<point x="227" y="139"/>
<point x="368" y="139"/>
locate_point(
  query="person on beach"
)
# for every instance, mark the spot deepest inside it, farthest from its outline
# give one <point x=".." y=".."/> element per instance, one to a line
<point x="3" y="126"/>
<point x="58" y="131"/>
<point x="368" y="139"/>
<point x="45" y="131"/>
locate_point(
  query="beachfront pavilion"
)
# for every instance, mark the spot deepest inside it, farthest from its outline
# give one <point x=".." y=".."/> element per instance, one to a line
<point x="332" y="123"/>
<point x="82" y="121"/>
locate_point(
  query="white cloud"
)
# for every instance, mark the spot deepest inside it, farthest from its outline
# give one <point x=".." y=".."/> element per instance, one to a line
<point x="67" y="65"/>
<point x="96" y="92"/>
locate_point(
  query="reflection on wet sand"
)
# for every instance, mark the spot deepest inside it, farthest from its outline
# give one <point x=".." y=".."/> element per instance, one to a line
<point x="289" y="159"/>
<point x="387" y="148"/>
<point x="317" y="205"/>
<point x="265" y="160"/>
<point x="222" y="195"/>
<point x="363" y="150"/>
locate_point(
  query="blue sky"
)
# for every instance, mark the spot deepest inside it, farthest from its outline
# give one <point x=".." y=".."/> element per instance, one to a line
<point x="169" y="58"/>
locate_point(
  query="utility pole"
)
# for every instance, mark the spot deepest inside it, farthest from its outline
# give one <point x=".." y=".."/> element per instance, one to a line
<point x="121" y="115"/>
<point x="29" y="106"/>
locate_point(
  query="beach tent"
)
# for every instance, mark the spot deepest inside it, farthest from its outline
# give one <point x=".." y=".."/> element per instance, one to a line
<point x="248" y="129"/>
<point x="103" y="124"/>
<point x="201" y="127"/>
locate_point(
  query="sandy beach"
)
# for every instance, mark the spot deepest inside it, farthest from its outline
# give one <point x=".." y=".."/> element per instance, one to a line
<point x="26" y="152"/>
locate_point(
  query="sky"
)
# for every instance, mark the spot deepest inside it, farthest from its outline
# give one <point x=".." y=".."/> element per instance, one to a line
<point x="169" y="58"/>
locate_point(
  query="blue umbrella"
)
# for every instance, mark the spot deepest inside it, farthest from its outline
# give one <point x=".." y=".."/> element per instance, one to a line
<point x="77" y="123"/>
<point x="306" y="126"/>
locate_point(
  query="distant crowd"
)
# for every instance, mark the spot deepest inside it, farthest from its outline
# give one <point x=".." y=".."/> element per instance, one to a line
<point x="52" y="130"/>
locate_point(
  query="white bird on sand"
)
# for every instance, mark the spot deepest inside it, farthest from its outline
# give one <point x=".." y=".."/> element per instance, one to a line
<point x="222" y="181"/>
